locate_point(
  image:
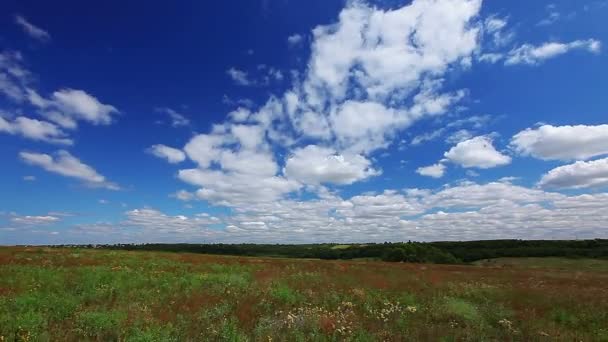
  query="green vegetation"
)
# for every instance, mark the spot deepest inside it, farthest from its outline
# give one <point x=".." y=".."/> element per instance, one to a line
<point x="432" y="252"/>
<point x="52" y="294"/>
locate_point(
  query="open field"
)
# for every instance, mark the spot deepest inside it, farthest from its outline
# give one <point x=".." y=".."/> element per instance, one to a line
<point x="76" y="294"/>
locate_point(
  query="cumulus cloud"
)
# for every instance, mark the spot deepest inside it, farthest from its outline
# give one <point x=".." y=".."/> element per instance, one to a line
<point x="13" y="76"/>
<point x="237" y="188"/>
<point x="32" y="30"/>
<point x="172" y="155"/>
<point x="63" y="163"/>
<point x="591" y="174"/>
<point x="459" y="136"/>
<point x="495" y="210"/>
<point x="370" y="75"/>
<point x="384" y="65"/>
<point x="477" y="152"/>
<point x="35" y="130"/>
<point x="239" y="77"/>
<point x="177" y="119"/>
<point x="316" y="165"/>
<point x="531" y="55"/>
<point x="61" y="111"/>
<point x="365" y="126"/>
<point x="79" y="105"/>
<point x="549" y="142"/>
<point x="294" y="39"/>
<point x="153" y="221"/>
<point x="235" y="166"/>
<point x="391" y="47"/>
<point x="435" y="170"/>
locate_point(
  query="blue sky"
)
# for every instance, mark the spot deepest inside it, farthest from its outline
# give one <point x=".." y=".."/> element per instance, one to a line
<point x="316" y="121"/>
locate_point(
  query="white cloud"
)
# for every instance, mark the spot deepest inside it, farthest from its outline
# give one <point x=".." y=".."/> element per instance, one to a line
<point x="249" y="136"/>
<point x="235" y="166"/>
<point x="13" y="76"/>
<point x="477" y="152"/>
<point x="371" y="75"/>
<point x="29" y="178"/>
<point x="435" y="170"/>
<point x="177" y="119"/>
<point x="530" y="54"/>
<point x="466" y="211"/>
<point x="35" y="130"/>
<point x="80" y="105"/>
<point x="472" y="173"/>
<point x="365" y="126"/>
<point x="34" y="220"/>
<point x="32" y="30"/>
<point x="591" y="174"/>
<point x="475" y="122"/>
<point x="238" y="76"/>
<point x="204" y="148"/>
<point x="63" y="163"/>
<point x="549" y="142"/>
<point x="294" y="39"/>
<point x="392" y="49"/>
<point x="316" y="165"/>
<point x="264" y="76"/>
<point x="495" y="27"/>
<point x="459" y="136"/>
<point x="236" y="188"/>
<point x="239" y="115"/>
<point x="473" y="195"/>
<point x="172" y="155"/>
<point x="491" y="57"/>
<point x="183" y="195"/>
<point x="552" y="16"/>
<point x="64" y="108"/>
<point x="422" y="138"/>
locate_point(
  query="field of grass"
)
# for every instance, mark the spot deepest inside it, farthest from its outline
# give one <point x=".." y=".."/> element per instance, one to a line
<point x="99" y="295"/>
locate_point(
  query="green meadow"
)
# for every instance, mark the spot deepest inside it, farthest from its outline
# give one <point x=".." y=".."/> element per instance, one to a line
<point x="49" y="294"/>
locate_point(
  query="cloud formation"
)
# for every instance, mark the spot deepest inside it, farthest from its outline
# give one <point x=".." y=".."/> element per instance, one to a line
<point x="177" y="119"/>
<point x="172" y="155"/>
<point x="531" y="55"/>
<point x="478" y="152"/>
<point x="565" y="143"/>
<point x="60" y="112"/>
<point x="63" y="163"/>
<point x="319" y="165"/>
<point x="466" y="211"/>
<point x="32" y="30"/>
<point x="591" y="174"/>
<point x="35" y="130"/>
<point x="435" y="170"/>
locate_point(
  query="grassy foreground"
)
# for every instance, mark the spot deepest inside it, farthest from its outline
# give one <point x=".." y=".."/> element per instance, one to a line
<point x="74" y="295"/>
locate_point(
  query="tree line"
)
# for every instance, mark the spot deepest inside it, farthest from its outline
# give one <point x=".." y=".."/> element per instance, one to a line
<point x="423" y="252"/>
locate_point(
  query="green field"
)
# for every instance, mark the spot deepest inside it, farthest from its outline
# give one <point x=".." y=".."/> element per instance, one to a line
<point x="98" y="295"/>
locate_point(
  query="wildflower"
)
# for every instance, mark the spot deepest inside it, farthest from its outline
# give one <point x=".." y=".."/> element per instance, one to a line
<point x="411" y="309"/>
<point x="505" y="323"/>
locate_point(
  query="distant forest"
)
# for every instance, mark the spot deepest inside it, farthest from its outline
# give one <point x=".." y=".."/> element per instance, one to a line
<point x="430" y="252"/>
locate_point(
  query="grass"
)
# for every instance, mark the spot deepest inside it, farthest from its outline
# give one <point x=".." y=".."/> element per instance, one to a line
<point x="549" y="262"/>
<point x="96" y="295"/>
